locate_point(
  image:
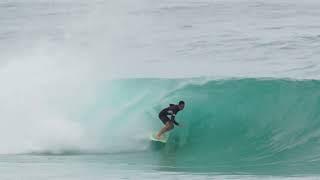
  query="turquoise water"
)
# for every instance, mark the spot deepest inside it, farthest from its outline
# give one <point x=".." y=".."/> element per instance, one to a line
<point x="82" y="83"/>
<point x="263" y="126"/>
<point x="232" y="128"/>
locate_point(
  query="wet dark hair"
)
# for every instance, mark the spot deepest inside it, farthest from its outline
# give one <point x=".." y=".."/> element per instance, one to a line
<point x="181" y="102"/>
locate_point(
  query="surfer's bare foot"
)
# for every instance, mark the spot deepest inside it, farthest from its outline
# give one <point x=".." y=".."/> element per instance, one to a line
<point x="158" y="136"/>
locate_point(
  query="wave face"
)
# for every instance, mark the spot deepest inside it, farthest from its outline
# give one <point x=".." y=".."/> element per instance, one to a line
<point x="250" y="121"/>
<point x="229" y="124"/>
<point x="257" y="123"/>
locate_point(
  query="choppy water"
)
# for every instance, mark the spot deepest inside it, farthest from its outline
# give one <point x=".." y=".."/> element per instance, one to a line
<point x="82" y="83"/>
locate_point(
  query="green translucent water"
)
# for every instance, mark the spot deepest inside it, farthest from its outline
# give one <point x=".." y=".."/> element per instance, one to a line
<point x="233" y="128"/>
<point x="249" y="126"/>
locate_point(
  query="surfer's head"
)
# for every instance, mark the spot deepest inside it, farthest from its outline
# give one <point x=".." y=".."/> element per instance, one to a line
<point x="181" y="105"/>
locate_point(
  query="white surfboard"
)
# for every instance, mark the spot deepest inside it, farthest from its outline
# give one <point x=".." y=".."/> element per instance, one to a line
<point x="164" y="139"/>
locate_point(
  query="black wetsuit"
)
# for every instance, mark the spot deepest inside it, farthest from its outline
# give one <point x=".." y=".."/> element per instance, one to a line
<point x="172" y="110"/>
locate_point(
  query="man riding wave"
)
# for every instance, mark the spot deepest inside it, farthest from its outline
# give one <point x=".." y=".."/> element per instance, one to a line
<point x="171" y="111"/>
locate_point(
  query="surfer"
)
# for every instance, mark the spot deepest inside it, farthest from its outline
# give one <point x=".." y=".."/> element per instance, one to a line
<point x="172" y="110"/>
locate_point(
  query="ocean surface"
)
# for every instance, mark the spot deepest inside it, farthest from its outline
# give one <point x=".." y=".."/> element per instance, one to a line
<point x="82" y="83"/>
